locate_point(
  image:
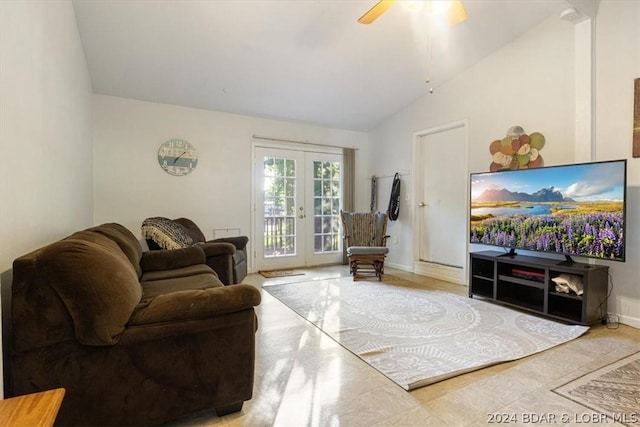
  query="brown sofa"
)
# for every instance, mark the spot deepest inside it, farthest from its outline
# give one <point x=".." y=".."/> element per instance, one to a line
<point x="135" y="338"/>
<point x="227" y="255"/>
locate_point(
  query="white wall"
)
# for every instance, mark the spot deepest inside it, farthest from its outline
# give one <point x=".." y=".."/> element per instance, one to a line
<point x="48" y="182"/>
<point x="617" y="65"/>
<point x="528" y="83"/>
<point x="531" y="82"/>
<point x="130" y="186"/>
<point x="46" y="173"/>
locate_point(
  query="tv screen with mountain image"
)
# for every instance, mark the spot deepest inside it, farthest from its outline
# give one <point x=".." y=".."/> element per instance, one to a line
<point x="574" y="210"/>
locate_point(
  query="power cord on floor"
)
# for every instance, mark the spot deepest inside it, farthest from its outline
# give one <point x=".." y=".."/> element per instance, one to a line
<point x="610" y="320"/>
<point x="613" y="321"/>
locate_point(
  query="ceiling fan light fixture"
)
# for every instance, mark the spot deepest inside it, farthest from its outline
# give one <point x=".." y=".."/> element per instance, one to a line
<point x="413" y="5"/>
<point x="450" y="10"/>
<point x="375" y="12"/>
<point x="456" y="13"/>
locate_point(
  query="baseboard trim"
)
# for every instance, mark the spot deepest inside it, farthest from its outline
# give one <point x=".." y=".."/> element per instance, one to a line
<point x="406" y="268"/>
<point x="438" y="271"/>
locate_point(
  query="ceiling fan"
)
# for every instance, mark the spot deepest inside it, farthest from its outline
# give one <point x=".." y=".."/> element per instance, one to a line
<point x="455" y="12"/>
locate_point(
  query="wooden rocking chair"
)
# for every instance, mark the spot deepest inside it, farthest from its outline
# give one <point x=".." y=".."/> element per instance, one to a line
<point x="366" y="240"/>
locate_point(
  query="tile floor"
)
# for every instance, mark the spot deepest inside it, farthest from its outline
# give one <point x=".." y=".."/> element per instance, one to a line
<point x="304" y="378"/>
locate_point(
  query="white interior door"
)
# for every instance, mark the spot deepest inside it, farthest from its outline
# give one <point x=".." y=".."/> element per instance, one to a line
<point x="298" y="196"/>
<point x="442" y="202"/>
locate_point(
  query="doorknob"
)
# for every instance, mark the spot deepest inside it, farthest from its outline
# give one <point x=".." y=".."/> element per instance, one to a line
<point x="302" y="216"/>
<point x="422" y="204"/>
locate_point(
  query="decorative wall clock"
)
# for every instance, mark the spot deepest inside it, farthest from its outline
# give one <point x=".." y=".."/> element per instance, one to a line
<point x="177" y="157"/>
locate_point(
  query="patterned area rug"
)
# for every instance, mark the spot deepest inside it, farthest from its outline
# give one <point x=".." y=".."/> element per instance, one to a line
<point x="613" y="390"/>
<point x="415" y="336"/>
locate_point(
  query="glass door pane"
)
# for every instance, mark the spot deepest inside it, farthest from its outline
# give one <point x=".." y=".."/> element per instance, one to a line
<point x="279" y="207"/>
<point x="326" y="206"/>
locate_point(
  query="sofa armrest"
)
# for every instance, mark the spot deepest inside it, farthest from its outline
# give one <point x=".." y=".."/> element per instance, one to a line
<point x="220" y="259"/>
<point x="216" y="248"/>
<point x="195" y="305"/>
<point x="172" y="258"/>
<point x="240" y="242"/>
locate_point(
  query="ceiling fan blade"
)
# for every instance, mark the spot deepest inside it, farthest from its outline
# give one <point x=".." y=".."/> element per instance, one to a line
<point x="375" y="12"/>
<point x="456" y="13"/>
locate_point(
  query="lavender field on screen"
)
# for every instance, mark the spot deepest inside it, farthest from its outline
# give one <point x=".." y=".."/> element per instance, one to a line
<point x="594" y="234"/>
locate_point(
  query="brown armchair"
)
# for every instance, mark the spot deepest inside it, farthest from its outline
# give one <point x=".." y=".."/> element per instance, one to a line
<point x="226" y="256"/>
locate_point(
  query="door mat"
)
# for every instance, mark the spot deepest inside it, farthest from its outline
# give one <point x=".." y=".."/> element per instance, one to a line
<point x="280" y="273"/>
<point x="613" y="390"/>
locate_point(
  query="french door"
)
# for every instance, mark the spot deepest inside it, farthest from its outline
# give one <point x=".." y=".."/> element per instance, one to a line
<point x="298" y="196"/>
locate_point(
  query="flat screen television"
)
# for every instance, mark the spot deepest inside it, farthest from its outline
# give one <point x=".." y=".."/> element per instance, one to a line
<point x="572" y="210"/>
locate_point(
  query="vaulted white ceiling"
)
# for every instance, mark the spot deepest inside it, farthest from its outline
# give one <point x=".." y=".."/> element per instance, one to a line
<point x="295" y="60"/>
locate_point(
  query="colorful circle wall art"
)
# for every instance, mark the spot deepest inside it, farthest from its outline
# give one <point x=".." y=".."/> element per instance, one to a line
<point x="517" y="150"/>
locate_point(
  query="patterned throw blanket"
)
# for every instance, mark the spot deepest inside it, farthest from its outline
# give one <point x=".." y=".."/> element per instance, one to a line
<point x="165" y="233"/>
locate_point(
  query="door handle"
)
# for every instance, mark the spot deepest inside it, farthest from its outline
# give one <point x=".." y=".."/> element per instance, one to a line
<point x="302" y="216"/>
<point x="422" y="204"/>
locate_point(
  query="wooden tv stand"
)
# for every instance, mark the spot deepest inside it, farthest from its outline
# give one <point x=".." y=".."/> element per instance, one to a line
<point x="525" y="282"/>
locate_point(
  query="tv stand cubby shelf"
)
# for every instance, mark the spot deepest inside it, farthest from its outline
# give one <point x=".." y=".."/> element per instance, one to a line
<point x="525" y="282"/>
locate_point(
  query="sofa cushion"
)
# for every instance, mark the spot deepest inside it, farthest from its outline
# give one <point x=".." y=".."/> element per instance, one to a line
<point x="193" y="305"/>
<point x="96" y="282"/>
<point x="153" y="288"/>
<point x="367" y="250"/>
<point x="190" y="270"/>
<point x="166" y="233"/>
